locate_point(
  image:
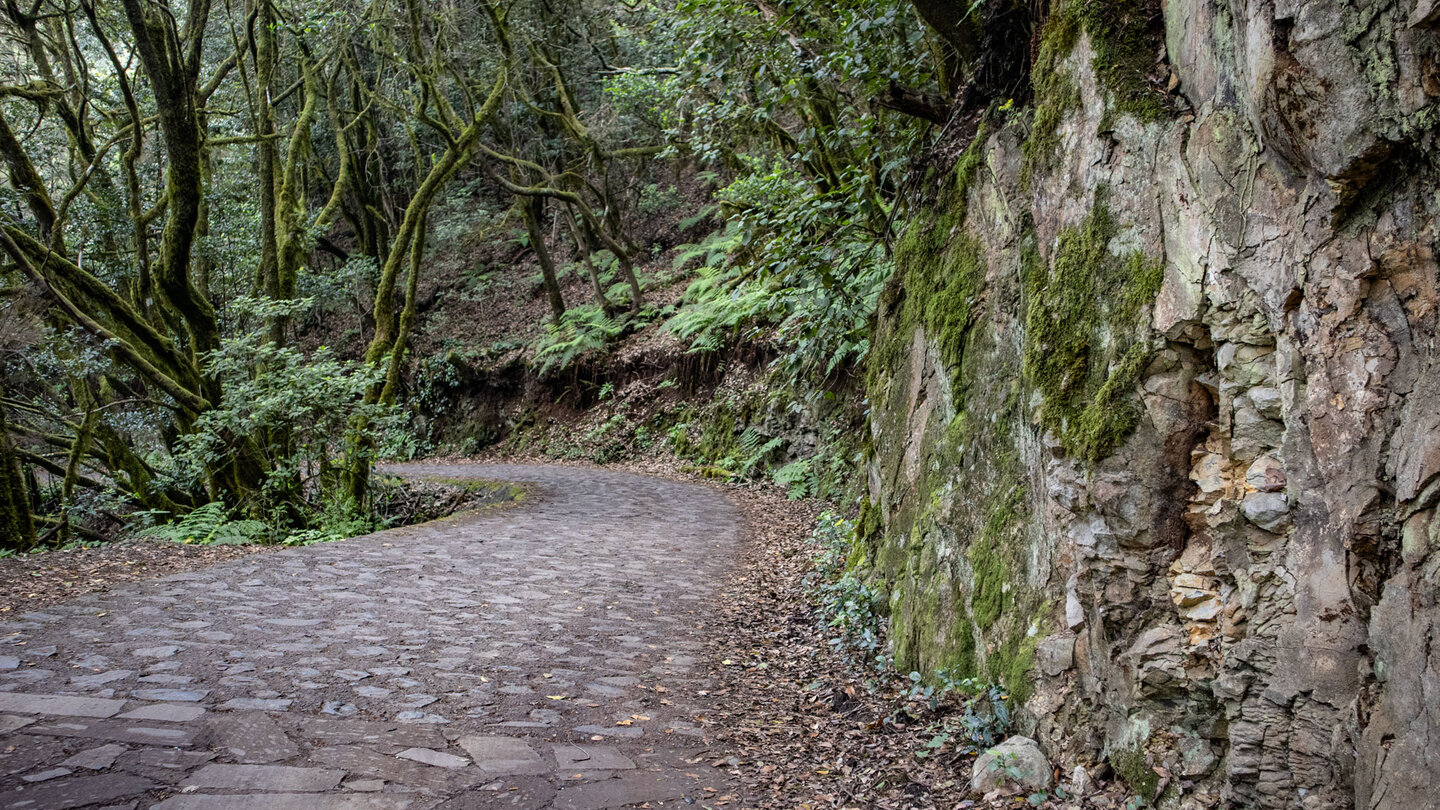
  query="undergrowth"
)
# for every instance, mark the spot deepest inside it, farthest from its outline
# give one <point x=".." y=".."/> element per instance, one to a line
<point x="585" y="333"/>
<point x="212" y="525"/>
<point x="395" y="503"/>
<point x="968" y="714"/>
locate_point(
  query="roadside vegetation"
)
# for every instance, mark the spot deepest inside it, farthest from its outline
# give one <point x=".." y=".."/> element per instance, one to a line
<point x="249" y="246"/>
<point x="252" y="250"/>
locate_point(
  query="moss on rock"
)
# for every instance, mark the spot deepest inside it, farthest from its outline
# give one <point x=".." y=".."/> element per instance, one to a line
<point x="1088" y="340"/>
<point x="952" y="549"/>
<point x="1011" y="662"/>
<point x="1126" y="37"/>
<point x="1133" y="767"/>
<point x="940" y="270"/>
<point x="1054" y="91"/>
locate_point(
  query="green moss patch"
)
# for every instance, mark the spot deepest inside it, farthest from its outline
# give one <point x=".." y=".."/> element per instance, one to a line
<point x="1087" y="337"/>
<point x="1126" y="36"/>
<point x="1011" y="662"/>
<point x="940" y="271"/>
<point x="1055" y="93"/>
<point x="953" y="551"/>
<point x="1132" y="766"/>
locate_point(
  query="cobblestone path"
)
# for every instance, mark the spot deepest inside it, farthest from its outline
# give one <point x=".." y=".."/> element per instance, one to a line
<point x="543" y="656"/>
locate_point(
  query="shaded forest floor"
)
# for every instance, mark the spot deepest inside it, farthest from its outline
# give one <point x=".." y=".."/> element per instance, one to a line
<point x="33" y="581"/>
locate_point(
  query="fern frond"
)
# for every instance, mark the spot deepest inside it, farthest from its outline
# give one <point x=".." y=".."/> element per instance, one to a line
<point x="209" y="525"/>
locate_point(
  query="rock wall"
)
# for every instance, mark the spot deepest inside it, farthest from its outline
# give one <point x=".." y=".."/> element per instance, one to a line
<point x="1156" y="410"/>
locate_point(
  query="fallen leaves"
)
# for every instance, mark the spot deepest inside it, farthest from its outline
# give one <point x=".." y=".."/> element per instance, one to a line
<point x="32" y="581"/>
<point x="805" y="729"/>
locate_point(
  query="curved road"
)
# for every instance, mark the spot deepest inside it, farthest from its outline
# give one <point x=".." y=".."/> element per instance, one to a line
<point x="544" y="656"/>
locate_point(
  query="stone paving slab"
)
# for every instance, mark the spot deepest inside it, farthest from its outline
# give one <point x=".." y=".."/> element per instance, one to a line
<point x="631" y="788"/>
<point x="118" y="732"/>
<point x="95" y="759"/>
<point x="368" y="764"/>
<point x="166" y="765"/>
<point x="438" y="759"/>
<point x="466" y="664"/>
<point x="504" y="756"/>
<point x="10" y="723"/>
<point x="252" y="738"/>
<point x="518" y="793"/>
<point x="46" y="776"/>
<point x="65" y="705"/>
<point x="571" y="757"/>
<point x="290" y="801"/>
<point x="165" y="712"/>
<point x="341" y="731"/>
<point x="257" y="778"/>
<point x="82" y="791"/>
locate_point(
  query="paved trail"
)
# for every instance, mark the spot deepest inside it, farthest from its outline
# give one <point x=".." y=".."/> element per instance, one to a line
<point x="544" y="656"/>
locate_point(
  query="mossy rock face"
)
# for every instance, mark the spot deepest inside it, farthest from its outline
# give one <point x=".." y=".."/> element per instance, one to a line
<point x="1088" y="335"/>
<point x="939" y="277"/>
<point x="1125" y="38"/>
<point x="980" y="349"/>
<point x="945" y="385"/>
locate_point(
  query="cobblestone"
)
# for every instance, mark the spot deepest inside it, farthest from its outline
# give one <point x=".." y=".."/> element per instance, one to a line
<point x="465" y="663"/>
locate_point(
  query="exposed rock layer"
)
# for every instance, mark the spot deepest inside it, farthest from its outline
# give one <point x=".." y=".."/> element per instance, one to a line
<point x="1194" y="527"/>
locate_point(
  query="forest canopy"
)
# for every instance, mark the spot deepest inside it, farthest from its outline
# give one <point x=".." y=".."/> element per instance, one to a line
<point x="192" y="185"/>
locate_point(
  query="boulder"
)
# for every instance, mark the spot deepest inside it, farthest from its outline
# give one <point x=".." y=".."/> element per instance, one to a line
<point x="1268" y="510"/>
<point x="1055" y="654"/>
<point x="1080" y="782"/>
<point x="1017" y="761"/>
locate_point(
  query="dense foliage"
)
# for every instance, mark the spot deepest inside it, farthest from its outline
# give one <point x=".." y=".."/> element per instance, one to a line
<point x="198" y="190"/>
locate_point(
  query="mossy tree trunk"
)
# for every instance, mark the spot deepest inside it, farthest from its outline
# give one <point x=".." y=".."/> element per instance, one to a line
<point x="532" y="209"/>
<point x="17" y="529"/>
<point x="582" y="247"/>
<point x="406" y="252"/>
<point x="172" y="64"/>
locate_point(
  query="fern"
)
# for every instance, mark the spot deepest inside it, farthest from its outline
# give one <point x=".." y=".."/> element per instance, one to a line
<point x="582" y="332"/>
<point x="750" y="441"/>
<point x="703" y="214"/>
<point x="209" y="525"/>
<point x="798" y="478"/>
<point x="714" y="249"/>
<point x="716" y="307"/>
<point x="755" y="449"/>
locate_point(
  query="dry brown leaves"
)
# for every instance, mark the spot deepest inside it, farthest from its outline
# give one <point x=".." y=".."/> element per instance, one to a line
<point x="33" y="581"/>
<point x="803" y="726"/>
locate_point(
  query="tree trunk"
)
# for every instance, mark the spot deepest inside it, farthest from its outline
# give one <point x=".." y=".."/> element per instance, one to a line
<point x="172" y="72"/>
<point x="17" y="530"/>
<point x="582" y="246"/>
<point x="533" y="208"/>
<point x="72" y="468"/>
<point x="387" y="326"/>
<point x="267" y="160"/>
